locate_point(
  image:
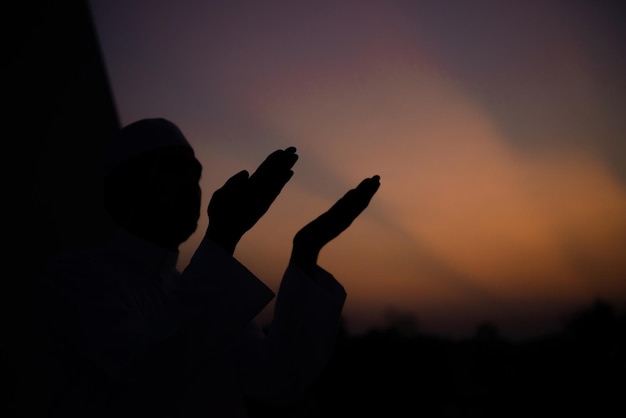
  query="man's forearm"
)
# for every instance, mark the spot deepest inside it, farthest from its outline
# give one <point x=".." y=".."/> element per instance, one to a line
<point x="228" y="242"/>
<point x="304" y="259"/>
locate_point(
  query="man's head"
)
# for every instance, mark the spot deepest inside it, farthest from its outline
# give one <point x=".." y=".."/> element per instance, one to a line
<point x="151" y="184"/>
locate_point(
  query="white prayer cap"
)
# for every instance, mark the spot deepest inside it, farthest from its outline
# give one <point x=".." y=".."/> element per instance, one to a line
<point x="139" y="137"/>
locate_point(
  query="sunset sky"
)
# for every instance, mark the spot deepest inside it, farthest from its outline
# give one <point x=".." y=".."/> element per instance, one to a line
<point x="497" y="127"/>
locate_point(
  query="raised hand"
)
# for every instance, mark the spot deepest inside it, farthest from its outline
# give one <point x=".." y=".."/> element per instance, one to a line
<point x="242" y="200"/>
<point x="309" y="241"/>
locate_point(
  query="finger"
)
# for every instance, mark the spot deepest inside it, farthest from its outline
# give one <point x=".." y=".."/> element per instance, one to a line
<point x="290" y="157"/>
<point x="284" y="178"/>
<point x="341" y="215"/>
<point x="370" y="184"/>
<point x="274" y="188"/>
<point x="266" y="193"/>
<point x="236" y="180"/>
<point x="275" y="164"/>
<point x="368" y="188"/>
<point x="362" y="193"/>
<point x="282" y="162"/>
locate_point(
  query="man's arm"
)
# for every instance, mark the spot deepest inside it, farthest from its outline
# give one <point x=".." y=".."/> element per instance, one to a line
<point x="228" y="295"/>
<point x="280" y="367"/>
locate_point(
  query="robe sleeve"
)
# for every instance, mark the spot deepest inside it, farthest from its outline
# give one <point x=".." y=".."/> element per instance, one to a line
<point x="228" y="297"/>
<point x="279" y="368"/>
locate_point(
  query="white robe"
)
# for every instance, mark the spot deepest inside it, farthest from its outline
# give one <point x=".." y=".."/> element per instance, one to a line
<point x="125" y="334"/>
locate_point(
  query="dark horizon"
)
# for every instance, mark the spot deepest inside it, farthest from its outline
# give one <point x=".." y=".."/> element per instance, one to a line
<point x="577" y="370"/>
<point x="405" y="324"/>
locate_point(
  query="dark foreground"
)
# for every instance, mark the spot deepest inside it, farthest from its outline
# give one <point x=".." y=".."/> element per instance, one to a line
<point x="580" y="371"/>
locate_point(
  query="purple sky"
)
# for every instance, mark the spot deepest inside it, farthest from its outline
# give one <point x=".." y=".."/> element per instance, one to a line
<point x="496" y="126"/>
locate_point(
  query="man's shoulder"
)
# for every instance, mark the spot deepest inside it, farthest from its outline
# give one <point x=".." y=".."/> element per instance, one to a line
<point x="80" y="267"/>
<point x="84" y="257"/>
<point x="84" y="275"/>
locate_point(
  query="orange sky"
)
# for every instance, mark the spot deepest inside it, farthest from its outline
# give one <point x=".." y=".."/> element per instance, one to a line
<point x="495" y="133"/>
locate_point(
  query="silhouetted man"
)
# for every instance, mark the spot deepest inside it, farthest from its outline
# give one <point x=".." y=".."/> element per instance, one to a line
<point x="126" y="334"/>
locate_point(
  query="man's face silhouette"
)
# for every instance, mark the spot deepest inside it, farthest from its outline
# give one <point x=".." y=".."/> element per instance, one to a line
<point x="174" y="192"/>
<point x="157" y="195"/>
